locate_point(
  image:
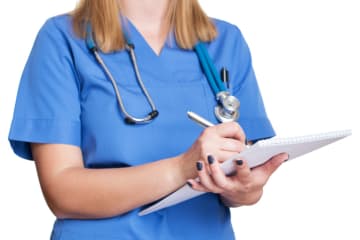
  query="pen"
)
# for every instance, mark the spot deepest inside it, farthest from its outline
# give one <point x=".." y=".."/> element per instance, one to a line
<point x="199" y="120"/>
<point x="205" y="123"/>
<point x="224" y="73"/>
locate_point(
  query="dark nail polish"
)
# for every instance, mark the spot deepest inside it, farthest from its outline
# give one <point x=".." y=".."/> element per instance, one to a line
<point x="189" y="184"/>
<point x="199" y="166"/>
<point x="211" y="159"/>
<point x="239" y="162"/>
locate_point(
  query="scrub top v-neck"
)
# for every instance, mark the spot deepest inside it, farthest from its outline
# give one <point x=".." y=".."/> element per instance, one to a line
<point x="65" y="97"/>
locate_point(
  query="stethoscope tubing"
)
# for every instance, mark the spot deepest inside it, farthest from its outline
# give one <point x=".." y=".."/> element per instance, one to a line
<point x="117" y="92"/>
<point x="138" y="76"/>
<point x="209" y="69"/>
<point x="206" y="69"/>
<point x="130" y="48"/>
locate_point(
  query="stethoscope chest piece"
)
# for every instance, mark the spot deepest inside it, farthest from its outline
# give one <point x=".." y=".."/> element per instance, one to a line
<point x="228" y="108"/>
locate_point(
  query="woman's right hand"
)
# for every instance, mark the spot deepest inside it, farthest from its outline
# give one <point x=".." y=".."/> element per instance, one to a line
<point x="221" y="141"/>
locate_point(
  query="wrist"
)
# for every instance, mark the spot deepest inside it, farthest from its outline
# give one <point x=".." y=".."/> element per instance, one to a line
<point x="229" y="202"/>
<point x="177" y="174"/>
<point x="241" y="199"/>
<point x="185" y="170"/>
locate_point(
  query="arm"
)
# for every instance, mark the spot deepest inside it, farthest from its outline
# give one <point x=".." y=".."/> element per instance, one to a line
<point x="73" y="191"/>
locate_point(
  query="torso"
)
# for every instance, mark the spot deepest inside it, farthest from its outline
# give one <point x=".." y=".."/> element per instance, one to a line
<point x="177" y="84"/>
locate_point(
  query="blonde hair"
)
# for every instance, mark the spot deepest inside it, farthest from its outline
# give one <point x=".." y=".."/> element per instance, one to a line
<point x="186" y="18"/>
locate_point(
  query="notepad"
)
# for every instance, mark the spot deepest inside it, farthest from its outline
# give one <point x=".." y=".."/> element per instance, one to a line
<point x="256" y="155"/>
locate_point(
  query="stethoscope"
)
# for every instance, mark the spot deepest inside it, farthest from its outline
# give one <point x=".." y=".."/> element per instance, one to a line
<point x="227" y="109"/>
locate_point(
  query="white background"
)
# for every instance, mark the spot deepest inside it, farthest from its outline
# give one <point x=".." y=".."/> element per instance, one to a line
<point x="306" y="56"/>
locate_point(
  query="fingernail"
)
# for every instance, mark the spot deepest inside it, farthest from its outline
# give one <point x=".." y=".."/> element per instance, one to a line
<point x="199" y="166"/>
<point x="239" y="162"/>
<point x="189" y="184"/>
<point x="211" y="159"/>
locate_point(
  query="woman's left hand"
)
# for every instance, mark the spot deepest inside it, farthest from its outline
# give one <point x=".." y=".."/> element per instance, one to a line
<point x="245" y="187"/>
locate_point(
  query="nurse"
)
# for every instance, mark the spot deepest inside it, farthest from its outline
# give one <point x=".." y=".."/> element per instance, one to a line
<point x="97" y="171"/>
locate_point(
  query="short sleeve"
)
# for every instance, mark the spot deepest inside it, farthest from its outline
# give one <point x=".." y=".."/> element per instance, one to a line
<point x="47" y="106"/>
<point x="253" y="117"/>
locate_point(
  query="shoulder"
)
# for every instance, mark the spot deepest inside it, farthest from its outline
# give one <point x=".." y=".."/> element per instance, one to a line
<point x="59" y="22"/>
<point x="57" y="33"/>
<point x="227" y="30"/>
<point x="59" y="26"/>
<point x="228" y="35"/>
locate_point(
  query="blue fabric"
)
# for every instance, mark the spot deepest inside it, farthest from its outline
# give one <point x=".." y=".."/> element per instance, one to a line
<point x="65" y="97"/>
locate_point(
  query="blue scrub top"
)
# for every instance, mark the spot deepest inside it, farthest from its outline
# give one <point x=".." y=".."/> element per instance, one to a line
<point x="65" y="97"/>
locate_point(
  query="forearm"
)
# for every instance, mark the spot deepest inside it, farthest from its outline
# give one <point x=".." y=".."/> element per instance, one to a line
<point x="98" y="193"/>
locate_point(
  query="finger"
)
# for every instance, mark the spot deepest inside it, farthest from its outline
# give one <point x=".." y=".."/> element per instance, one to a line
<point x="205" y="179"/>
<point x="263" y="172"/>
<point x="217" y="174"/>
<point x="222" y="155"/>
<point x="274" y="163"/>
<point x="196" y="185"/>
<point x="231" y="130"/>
<point x="232" y="145"/>
<point x="243" y="172"/>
